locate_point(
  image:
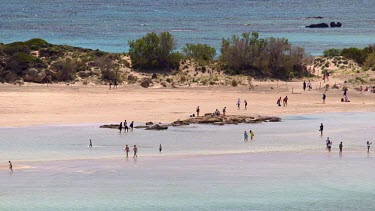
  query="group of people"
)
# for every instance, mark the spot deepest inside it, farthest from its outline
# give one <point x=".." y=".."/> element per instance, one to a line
<point x="125" y="126"/>
<point x="329" y="142"/>
<point x="238" y="104"/>
<point x="285" y="101"/>
<point x="114" y="85"/>
<point x="308" y="85"/>
<point x="216" y="112"/>
<point x="246" y="136"/>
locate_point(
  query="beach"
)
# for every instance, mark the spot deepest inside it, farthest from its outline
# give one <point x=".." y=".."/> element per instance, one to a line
<point x="35" y="104"/>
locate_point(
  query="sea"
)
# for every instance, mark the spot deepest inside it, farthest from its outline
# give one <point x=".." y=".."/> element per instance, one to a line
<point x="108" y="25"/>
<point x="201" y="167"/>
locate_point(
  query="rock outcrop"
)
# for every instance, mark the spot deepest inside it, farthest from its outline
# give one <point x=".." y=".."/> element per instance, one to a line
<point x="34" y="75"/>
<point x="319" y="25"/>
<point x="222" y="120"/>
<point x="333" y="24"/>
<point x="206" y="119"/>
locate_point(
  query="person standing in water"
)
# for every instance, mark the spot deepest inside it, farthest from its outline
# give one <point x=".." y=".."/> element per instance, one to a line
<point x="329" y="146"/>
<point x="198" y="110"/>
<point x="245" y="104"/>
<point x="120" y="127"/>
<point x="251" y="135"/>
<point x="238" y="103"/>
<point x="131" y="125"/>
<point x="127" y="151"/>
<point x="321" y="129"/>
<point x="135" y="150"/>
<point x="90" y="145"/>
<point x="327" y="142"/>
<point x="126" y="128"/>
<point x="340" y="147"/>
<point x="245" y="136"/>
<point x="10" y="166"/>
<point x="160" y="148"/>
<point x="368" y="146"/>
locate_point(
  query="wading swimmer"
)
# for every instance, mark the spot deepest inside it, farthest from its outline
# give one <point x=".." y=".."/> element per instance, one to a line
<point x="10" y="166"/>
<point x="340" y="147"/>
<point x="90" y="145"/>
<point x="127" y="151"/>
<point x="135" y="150"/>
<point x="245" y="136"/>
<point x="160" y="148"/>
<point x="321" y="129"/>
<point x="120" y="127"/>
<point x="368" y="146"/>
<point x="251" y="135"/>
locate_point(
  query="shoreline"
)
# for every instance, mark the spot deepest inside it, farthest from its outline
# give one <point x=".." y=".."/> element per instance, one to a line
<point x="64" y="105"/>
<point x="28" y="164"/>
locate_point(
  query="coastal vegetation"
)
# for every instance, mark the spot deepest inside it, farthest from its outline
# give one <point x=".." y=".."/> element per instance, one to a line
<point x="154" y="60"/>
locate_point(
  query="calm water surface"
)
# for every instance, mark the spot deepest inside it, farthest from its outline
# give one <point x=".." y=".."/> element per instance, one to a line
<point x="109" y="24"/>
<point x="201" y="167"/>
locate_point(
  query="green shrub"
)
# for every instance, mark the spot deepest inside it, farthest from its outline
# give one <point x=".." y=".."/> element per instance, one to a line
<point x="20" y="62"/>
<point x="199" y="51"/>
<point x="37" y="43"/>
<point x="16" y="47"/>
<point x="332" y="52"/>
<point x="154" y="51"/>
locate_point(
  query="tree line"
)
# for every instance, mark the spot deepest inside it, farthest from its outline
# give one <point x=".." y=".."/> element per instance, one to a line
<point x="248" y="54"/>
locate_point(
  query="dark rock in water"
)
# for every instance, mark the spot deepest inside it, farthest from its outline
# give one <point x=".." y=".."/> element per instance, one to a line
<point x="333" y="24"/>
<point x="180" y="123"/>
<point x="149" y="123"/>
<point x="315" y="17"/>
<point x="157" y="127"/>
<point x="111" y="126"/>
<point x="141" y="126"/>
<point x="319" y="25"/>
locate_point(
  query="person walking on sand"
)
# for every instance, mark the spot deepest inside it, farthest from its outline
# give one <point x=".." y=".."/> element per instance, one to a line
<point x="115" y="85"/>
<point x="245" y="104"/>
<point x="110" y="85"/>
<point x="198" y="110"/>
<point x="135" y="150"/>
<point x="251" y="135"/>
<point x="238" y="103"/>
<point x="279" y="101"/>
<point x="127" y="151"/>
<point x="285" y="101"/>
<point x="309" y="85"/>
<point x="120" y="127"/>
<point x="368" y="146"/>
<point x="131" y="125"/>
<point x="321" y="129"/>
<point x="340" y="147"/>
<point x="90" y="145"/>
<point x="245" y="136"/>
<point x="324" y="98"/>
<point x="224" y="110"/>
<point x="304" y="85"/>
<point x="126" y="128"/>
<point x="160" y="148"/>
<point x="10" y="166"/>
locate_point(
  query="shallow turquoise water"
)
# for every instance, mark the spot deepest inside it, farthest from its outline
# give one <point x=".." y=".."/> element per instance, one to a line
<point x="108" y="25"/>
<point x="201" y="167"/>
